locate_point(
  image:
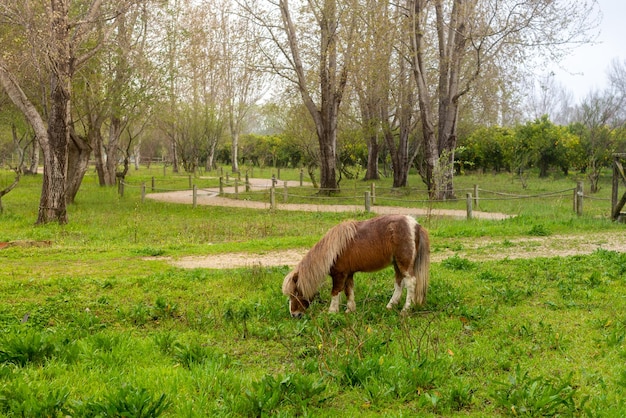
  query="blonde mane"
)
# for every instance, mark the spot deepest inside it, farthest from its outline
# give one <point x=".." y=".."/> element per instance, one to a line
<point x="316" y="264"/>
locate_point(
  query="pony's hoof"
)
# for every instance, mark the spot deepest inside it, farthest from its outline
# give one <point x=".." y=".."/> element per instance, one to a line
<point x="389" y="306"/>
<point x="333" y="310"/>
<point x="404" y="312"/>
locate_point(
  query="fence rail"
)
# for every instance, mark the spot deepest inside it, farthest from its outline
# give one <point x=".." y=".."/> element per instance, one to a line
<point x="365" y="197"/>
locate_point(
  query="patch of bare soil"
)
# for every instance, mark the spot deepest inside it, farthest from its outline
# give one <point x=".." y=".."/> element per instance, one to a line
<point x="471" y="249"/>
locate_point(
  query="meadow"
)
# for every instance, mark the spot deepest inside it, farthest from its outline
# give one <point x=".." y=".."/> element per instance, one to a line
<point x="96" y="322"/>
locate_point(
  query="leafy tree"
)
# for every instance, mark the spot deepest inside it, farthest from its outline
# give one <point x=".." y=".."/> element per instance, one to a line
<point x="64" y="35"/>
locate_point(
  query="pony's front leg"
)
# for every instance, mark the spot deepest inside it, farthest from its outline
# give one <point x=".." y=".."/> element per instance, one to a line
<point x="334" y="303"/>
<point x="397" y="293"/>
<point x="349" y="290"/>
<point x="339" y="281"/>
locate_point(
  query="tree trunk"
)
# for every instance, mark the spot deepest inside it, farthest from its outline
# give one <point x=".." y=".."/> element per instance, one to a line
<point x="373" y="150"/>
<point x="52" y="204"/>
<point x="235" y="148"/>
<point x="78" y="163"/>
<point x="34" y="158"/>
<point x="451" y="38"/>
<point x="111" y="150"/>
<point x="370" y="125"/>
<point x="332" y="82"/>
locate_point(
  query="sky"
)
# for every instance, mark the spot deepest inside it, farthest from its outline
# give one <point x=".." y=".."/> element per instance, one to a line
<point x="586" y="68"/>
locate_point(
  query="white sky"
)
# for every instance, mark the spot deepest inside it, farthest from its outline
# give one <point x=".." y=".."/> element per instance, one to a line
<point x="585" y="70"/>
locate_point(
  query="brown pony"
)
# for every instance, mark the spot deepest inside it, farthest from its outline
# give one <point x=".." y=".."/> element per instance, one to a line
<point x="365" y="246"/>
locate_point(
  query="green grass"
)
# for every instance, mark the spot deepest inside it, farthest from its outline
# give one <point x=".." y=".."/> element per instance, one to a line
<point x="98" y="323"/>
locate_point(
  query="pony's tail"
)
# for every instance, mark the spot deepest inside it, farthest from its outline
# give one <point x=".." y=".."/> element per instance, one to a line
<point x="421" y="264"/>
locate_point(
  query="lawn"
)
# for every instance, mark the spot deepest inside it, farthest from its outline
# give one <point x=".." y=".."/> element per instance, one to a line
<point x="96" y="322"/>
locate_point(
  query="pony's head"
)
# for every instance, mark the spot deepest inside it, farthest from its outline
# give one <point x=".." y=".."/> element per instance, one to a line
<point x="297" y="302"/>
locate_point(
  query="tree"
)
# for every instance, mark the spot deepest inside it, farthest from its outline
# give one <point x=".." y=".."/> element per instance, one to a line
<point x="459" y="38"/>
<point x="18" y="169"/>
<point x="597" y="118"/>
<point x="245" y="82"/>
<point x="61" y="40"/>
<point x="335" y="24"/>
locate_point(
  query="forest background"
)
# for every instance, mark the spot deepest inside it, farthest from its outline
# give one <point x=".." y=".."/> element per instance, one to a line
<point x="341" y="88"/>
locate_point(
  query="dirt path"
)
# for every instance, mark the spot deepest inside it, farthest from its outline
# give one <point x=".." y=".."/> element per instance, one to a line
<point x="471" y="248"/>
<point x="210" y="197"/>
<point x="481" y="249"/>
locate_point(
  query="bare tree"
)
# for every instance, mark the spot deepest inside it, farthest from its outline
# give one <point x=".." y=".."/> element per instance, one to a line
<point x="547" y="96"/>
<point x="245" y="81"/>
<point x="458" y="38"/>
<point x="320" y="74"/>
<point x="597" y="115"/>
<point x="18" y="169"/>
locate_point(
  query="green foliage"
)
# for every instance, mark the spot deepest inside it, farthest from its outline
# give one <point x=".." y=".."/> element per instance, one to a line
<point x="127" y="401"/>
<point x="457" y="263"/>
<point x="299" y="392"/>
<point x="30" y="399"/>
<point x="22" y="347"/>
<point x="539" y="230"/>
<point x="536" y="396"/>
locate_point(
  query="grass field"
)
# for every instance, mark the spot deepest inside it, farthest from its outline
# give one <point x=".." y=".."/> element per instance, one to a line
<point x="95" y="321"/>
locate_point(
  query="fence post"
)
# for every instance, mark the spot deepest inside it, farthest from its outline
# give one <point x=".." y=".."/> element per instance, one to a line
<point x="236" y="189"/>
<point x="579" y="198"/>
<point x="247" y="182"/>
<point x="285" y="192"/>
<point x="301" y="177"/>
<point x="143" y="192"/>
<point x="272" y="198"/>
<point x="615" y="186"/>
<point x="278" y="175"/>
<point x="195" y="196"/>
<point x="153" y="183"/>
<point x="476" y="195"/>
<point x="373" y="192"/>
<point x="469" y="206"/>
<point x="368" y="203"/>
<point x="221" y="186"/>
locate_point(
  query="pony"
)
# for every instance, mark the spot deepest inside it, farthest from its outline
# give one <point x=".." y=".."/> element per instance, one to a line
<point x="363" y="246"/>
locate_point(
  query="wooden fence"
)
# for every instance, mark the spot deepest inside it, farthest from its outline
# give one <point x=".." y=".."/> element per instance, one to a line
<point x="228" y="186"/>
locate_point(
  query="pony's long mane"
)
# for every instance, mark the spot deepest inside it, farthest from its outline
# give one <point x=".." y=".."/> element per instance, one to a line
<point x="316" y="264"/>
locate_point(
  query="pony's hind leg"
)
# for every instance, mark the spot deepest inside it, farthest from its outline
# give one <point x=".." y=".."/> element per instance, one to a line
<point x="397" y="287"/>
<point x="397" y="294"/>
<point x="409" y="282"/>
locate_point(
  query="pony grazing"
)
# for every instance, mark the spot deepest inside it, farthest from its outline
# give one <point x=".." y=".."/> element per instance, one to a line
<point x="366" y="246"/>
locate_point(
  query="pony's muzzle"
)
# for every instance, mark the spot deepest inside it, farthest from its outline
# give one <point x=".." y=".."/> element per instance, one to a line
<point x="296" y="315"/>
